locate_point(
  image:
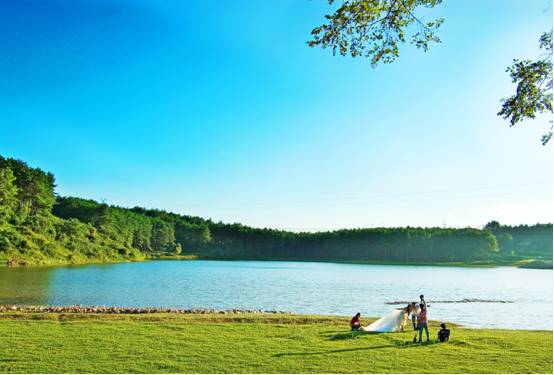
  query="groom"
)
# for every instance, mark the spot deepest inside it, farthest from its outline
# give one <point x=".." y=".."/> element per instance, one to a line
<point x="416" y="310"/>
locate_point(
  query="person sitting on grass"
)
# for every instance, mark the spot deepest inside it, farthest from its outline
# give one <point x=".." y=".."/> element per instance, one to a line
<point x="355" y="324"/>
<point x="444" y="334"/>
<point x="422" y="322"/>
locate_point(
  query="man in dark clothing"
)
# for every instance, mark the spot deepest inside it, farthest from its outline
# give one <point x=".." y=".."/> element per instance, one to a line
<point x="444" y="334"/>
<point x="422" y="300"/>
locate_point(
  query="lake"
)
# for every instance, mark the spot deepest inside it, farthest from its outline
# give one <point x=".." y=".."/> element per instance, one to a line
<point x="300" y="287"/>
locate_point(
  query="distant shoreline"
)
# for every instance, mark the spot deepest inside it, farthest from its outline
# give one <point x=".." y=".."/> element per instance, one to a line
<point x="526" y="264"/>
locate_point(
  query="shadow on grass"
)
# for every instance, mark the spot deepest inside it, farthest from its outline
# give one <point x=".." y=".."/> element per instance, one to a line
<point x="356" y="334"/>
<point x="393" y="344"/>
<point x="335" y="351"/>
<point x="347" y="335"/>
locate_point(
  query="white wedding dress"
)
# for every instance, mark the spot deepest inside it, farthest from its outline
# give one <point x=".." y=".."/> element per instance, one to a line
<point x="389" y="323"/>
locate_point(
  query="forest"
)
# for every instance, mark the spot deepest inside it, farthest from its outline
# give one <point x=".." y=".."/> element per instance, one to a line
<point x="38" y="227"/>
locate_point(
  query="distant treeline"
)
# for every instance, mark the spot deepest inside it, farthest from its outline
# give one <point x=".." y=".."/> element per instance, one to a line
<point x="154" y="231"/>
<point x="38" y="227"/>
<point x="533" y="241"/>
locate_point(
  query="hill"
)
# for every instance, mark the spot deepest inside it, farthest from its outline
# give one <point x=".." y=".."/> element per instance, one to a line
<point x="37" y="227"/>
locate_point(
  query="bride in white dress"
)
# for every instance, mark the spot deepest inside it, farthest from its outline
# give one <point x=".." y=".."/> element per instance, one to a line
<point x="393" y="322"/>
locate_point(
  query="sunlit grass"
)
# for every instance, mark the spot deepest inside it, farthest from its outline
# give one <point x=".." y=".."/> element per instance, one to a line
<point x="251" y="343"/>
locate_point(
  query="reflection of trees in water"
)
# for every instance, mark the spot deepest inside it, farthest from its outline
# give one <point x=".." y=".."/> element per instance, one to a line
<point x="24" y="286"/>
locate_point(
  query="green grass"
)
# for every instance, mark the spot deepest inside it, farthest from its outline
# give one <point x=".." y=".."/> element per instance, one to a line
<point x="248" y="343"/>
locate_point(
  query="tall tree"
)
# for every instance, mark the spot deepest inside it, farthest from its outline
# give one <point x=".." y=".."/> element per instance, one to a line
<point x="163" y="236"/>
<point x="35" y="187"/>
<point x="8" y="194"/>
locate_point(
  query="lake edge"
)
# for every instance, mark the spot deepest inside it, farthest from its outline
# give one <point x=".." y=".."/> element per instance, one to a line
<point x="191" y="258"/>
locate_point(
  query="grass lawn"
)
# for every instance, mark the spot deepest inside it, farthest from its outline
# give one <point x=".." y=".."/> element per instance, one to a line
<point x="245" y="343"/>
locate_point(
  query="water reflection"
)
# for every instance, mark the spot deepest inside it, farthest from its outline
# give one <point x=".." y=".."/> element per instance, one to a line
<point x="25" y="286"/>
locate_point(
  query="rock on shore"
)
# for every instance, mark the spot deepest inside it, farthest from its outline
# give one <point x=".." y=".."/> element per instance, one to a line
<point x="127" y="310"/>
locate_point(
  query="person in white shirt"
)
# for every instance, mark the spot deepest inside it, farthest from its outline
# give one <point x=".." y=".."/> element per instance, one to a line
<point x="415" y="313"/>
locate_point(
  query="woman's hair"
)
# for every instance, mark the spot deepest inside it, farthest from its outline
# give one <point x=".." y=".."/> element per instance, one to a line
<point x="422" y="306"/>
<point x="358" y="314"/>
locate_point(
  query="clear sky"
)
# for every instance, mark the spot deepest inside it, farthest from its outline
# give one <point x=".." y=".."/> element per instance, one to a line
<point x="219" y="109"/>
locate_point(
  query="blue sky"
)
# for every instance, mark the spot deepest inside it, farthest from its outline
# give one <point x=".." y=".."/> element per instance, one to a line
<point x="221" y="110"/>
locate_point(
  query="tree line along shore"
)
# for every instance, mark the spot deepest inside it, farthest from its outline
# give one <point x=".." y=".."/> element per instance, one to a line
<point x="38" y="227"/>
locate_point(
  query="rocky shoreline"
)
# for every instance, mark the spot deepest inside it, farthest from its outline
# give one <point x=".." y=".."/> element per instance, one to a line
<point x="128" y="310"/>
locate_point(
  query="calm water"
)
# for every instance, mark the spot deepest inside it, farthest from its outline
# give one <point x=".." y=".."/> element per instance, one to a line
<point x="302" y="287"/>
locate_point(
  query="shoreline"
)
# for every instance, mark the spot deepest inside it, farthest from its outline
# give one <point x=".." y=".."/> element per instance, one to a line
<point x="245" y="316"/>
<point x="369" y="262"/>
<point x="216" y="315"/>
<point x="107" y="310"/>
<point x="523" y="264"/>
